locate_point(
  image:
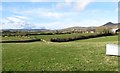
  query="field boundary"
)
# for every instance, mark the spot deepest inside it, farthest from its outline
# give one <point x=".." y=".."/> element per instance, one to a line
<point x="79" y="38"/>
<point x="21" y="41"/>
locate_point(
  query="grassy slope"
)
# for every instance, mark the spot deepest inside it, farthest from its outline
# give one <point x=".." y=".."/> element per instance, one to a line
<point x="77" y="55"/>
<point x="15" y="38"/>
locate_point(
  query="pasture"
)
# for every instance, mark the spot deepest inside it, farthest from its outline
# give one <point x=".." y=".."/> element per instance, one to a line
<point x="80" y="55"/>
<point x="48" y="37"/>
<point x="11" y="38"/>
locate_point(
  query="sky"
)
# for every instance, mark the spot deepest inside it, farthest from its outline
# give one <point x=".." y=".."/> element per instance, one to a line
<point x="57" y="15"/>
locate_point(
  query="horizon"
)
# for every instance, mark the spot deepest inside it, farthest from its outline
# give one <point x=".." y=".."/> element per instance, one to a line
<point x="57" y="15"/>
<point x="56" y="29"/>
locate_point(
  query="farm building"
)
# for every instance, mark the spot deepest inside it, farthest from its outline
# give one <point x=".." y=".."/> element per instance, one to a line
<point x="115" y="30"/>
<point x="92" y="31"/>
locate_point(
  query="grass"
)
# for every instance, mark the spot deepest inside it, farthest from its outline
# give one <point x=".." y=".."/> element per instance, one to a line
<point x="101" y="39"/>
<point x="82" y="55"/>
<point x="48" y="37"/>
<point x="45" y="37"/>
<point x="9" y="38"/>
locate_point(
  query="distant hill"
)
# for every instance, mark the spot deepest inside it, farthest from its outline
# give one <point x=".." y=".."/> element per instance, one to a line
<point x="108" y="25"/>
<point x="111" y="24"/>
<point x="25" y="30"/>
<point x="79" y="28"/>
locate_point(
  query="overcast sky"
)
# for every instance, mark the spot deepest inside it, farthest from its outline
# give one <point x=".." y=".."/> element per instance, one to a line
<point x="57" y="15"/>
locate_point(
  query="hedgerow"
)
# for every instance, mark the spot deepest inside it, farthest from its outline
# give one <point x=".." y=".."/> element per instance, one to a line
<point x="81" y="37"/>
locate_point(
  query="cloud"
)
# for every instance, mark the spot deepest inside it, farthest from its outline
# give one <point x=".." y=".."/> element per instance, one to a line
<point x="16" y="19"/>
<point x="20" y="17"/>
<point x="11" y="23"/>
<point x="58" y="15"/>
<point x="75" y="5"/>
<point x="80" y="4"/>
<point x="16" y="22"/>
<point x="42" y="13"/>
<point x="57" y="25"/>
<point x="13" y="19"/>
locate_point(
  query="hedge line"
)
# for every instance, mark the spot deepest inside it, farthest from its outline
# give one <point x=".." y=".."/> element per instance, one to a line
<point x="21" y="41"/>
<point x="79" y="37"/>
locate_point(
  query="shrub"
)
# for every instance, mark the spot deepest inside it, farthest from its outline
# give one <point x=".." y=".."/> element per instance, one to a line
<point x="80" y="37"/>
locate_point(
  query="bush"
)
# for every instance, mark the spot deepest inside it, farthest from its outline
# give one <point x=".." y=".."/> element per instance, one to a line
<point x="80" y="37"/>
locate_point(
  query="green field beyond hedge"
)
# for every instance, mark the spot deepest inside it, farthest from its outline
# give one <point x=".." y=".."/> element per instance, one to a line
<point x="80" y="55"/>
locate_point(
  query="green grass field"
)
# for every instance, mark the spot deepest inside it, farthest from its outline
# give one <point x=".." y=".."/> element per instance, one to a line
<point x="48" y="37"/>
<point x="80" y="55"/>
<point x="15" y="38"/>
<point x="45" y="37"/>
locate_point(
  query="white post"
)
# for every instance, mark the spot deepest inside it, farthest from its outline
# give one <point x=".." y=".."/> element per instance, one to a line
<point x="113" y="49"/>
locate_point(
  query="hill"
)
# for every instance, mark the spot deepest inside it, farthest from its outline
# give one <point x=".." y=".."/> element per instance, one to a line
<point x="108" y="26"/>
<point x="111" y="24"/>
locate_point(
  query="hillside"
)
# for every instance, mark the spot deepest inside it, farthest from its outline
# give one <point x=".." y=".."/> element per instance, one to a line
<point x="111" y="24"/>
<point x="108" y="26"/>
